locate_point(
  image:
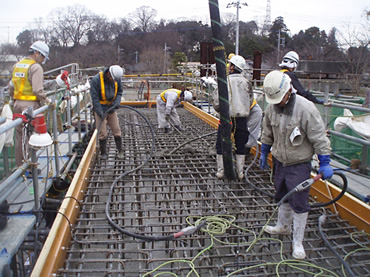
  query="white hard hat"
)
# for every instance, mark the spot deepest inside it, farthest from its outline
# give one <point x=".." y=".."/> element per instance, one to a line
<point x="275" y="85"/>
<point x="290" y="60"/>
<point x="188" y="96"/>
<point x="42" y="48"/>
<point x="238" y="61"/>
<point x="116" y="72"/>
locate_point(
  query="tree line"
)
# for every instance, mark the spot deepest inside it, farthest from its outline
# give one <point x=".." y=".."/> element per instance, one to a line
<point x="142" y="44"/>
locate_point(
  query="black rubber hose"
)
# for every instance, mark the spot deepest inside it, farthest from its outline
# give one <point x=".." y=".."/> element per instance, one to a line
<point x="322" y="219"/>
<point x="316" y="205"/>
<point x="344" y="189"/>
<point x="172" y="236"/>
<point x="223" y="94"/>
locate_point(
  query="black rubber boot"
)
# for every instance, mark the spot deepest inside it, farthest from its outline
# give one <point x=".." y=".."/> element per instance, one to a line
<point x="103" y="149"/>
<point x="119" y="147"/>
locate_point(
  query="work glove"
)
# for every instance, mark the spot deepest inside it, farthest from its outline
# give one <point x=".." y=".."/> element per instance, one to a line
<point x="167" y="117"/>
<point x="325" y="169"/>
<point x="320" y="101"/>
<point x="265" y="150"/>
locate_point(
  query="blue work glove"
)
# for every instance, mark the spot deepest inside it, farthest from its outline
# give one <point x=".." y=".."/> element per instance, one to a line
<point x="320" y="101"/>
<point x="325" y="169"/>
<point x="265" y="150"/>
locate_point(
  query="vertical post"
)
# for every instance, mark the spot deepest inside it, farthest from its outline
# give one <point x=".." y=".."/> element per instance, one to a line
<point x="326" y="101"/>
<point x="220" y="57"/>
<point x="237" y="29"/>
<point x="278" y="48"/>
<point x="55" y="136"/>
<point x="69" y="124"/>
<point x="35" y="178"/>
<point x="86" y="112"/>
<point x="6" y="161"/>
<point x="78" y="116"/>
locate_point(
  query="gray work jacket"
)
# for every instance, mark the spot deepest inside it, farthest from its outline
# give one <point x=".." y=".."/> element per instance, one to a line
<point x="296" y="132"/>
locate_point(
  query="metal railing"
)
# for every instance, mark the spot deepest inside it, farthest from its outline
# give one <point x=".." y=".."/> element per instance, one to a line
<point x="57" y="95"/>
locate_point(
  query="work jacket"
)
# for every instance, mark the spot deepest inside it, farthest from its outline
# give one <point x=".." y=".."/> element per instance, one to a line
<point x="296" y="132"/>
<point x="104" y="93"/>
<point x="20" y="79"/>
<point x="240" y="95"/>
<point x="298" y="86"/>
<point x="171" y="98"/>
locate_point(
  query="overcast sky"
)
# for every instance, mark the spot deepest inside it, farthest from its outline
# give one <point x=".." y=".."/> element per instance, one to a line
<point x="16" y="16"/>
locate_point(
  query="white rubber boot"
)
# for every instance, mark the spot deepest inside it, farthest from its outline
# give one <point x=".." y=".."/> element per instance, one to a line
<point x="299" y="225"/>
<point x="220" y="167"/>
<point x="285" y="218"/>
<point x="240" y="161"/>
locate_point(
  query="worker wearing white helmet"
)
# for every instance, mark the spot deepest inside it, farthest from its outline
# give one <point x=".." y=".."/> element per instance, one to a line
<point x="288" y="66"/>
<point x="240" y="101"/>
<point x="106" y="94"/>
<point x="293" y="130"/>
<point x="167" y="101"/>
<point x="26" y="89"/>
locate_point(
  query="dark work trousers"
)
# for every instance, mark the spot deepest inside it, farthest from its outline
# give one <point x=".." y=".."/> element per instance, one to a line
<point x="241" y="135"/>
<point x="287" y="178"/>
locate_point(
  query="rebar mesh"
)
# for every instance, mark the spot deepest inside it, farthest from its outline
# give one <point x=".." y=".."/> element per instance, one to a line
<point x="174" y="190"/>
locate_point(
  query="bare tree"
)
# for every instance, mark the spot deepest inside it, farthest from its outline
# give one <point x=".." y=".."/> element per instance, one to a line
<point x="101" y="29"/>
<point x="144" y="18"/>
<point x="71" y="24"/>
<point x="355" y="44"/>
<point x="153" y="58"/>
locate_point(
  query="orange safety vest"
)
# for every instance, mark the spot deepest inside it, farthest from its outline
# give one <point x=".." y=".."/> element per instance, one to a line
<point x="104" y="100"/>
<point x="22" y="86"/>
<point x="163" y="93"/>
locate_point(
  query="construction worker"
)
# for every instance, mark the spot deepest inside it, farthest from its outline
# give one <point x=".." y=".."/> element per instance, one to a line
<point x="106" y="94"/>
<point x="288" y="66"/>
<point x="240" y="100"/>
<point x="26" y="89"/>
<point x="167" y="101"/>
<point x="293" y="130"/>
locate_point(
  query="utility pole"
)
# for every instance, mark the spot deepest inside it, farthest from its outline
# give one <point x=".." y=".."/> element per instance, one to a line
<point x="281" y="42"/>
<point x="237" y="5"/>
<point x="165" y="57"/>
<point x="278" y="48"/>
<point x="119" y="51"/>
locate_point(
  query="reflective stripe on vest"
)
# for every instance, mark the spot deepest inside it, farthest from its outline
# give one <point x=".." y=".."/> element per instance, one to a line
<point x="163" y="93"/>
<point x="253" y="103"/>
<point x="22" y="86"/>
<point x="104" y="100"/>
